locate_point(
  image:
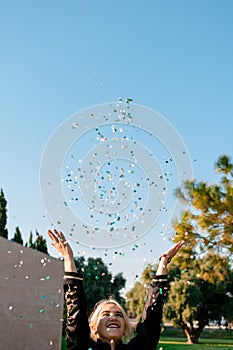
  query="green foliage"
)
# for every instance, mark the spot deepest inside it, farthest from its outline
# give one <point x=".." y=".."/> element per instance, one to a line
<point x="199" y="294"/>
<point x="205" y="283"/>
<point x="30" y="243"/>
<point x="183" y="297"/>
<point x="3" y="215"/>
<point x="18" y="236"/>
<point x="136" y="297"/>
<point x="136" y="300"/>
<point x="148" y="273"/>
<point x="208" y="221"/>
<point x="201" y="277"/>
<point x="98" y="281"/>
<point x="39" y="243"/>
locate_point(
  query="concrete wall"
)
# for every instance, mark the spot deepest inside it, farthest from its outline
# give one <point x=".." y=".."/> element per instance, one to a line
<point x="31" y="299"/>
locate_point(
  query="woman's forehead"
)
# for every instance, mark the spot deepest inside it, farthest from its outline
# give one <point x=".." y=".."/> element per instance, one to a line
<point x="110" y="307"/>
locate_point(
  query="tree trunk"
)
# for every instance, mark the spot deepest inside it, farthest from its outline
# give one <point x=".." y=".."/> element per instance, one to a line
<point x="191" y="333"/>
<point x="191" y="338"/>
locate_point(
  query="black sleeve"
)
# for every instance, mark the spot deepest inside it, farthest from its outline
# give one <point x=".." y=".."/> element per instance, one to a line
<point x="149" y="328"/>
<point x="77" y="328"/>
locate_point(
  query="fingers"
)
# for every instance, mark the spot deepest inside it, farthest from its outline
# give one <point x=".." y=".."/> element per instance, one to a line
<point x="56" y="237"/>
<point x="62" y="237"/>
<point x="52" y="235"/>
<point x="60" y="243"/>
<point x="176" y="248"/>
<point x="170" y="253"/>
<point x="179" y="245"/>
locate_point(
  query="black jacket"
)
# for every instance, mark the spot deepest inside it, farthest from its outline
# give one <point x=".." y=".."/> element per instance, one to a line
<point x="147" y="330"/>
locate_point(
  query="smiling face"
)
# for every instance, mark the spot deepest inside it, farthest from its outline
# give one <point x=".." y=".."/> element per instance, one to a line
<point x="111" y="323"/>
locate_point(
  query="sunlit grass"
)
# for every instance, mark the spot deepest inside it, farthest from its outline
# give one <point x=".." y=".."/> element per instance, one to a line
<point x="204" y="344"/>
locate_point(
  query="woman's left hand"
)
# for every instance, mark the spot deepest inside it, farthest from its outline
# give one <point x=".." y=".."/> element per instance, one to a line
<point x="170" y="253"/>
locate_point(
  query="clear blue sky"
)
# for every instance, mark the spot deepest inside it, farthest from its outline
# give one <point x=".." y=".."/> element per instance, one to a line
<point x="59" y="57"/>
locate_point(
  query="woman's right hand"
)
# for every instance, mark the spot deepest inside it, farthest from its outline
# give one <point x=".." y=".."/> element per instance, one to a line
<point x="60" y="243"/>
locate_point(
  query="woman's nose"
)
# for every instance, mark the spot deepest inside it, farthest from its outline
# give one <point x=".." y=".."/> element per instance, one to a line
<point x="112" y="316"/>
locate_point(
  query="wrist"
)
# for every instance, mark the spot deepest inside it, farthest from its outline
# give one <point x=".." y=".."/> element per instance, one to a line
<point x="165" y="258"/>
<point x="69" y="265"/>
<point x="68" y="255"/>
<point x="68" y="259"/>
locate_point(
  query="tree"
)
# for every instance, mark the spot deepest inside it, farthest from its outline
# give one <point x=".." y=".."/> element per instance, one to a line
<point x="208" y="221"/>
<point x="204" y="283"/>
<point x="197" y="296"/>
<point x="201" y="278"/>
<point x="31" y="244"/>
<point x="98" y="281"/>
<point x="3" y="215"/>
<point x="39" y="243"/>
<point x="136" y="300"/>
<point x="136" y="297"/>
<point x="18" y="236"/>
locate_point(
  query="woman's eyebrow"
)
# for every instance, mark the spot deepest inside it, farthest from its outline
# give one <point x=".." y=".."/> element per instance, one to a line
<point x="104" y="311"/>
<point x="119" y="313"/>
<point x="109" y="311"/>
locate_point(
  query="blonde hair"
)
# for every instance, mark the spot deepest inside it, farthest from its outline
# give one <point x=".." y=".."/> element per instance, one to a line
<point x="96" y="312"/>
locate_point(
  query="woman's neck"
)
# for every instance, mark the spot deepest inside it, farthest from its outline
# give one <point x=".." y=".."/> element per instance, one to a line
<point x="112" y="344"/>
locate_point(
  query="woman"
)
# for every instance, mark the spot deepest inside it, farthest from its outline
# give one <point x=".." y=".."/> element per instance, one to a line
<point x="108" y="321"/>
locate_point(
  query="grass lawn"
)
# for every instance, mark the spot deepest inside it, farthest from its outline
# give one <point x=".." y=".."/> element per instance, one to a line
<point x="204" y="344"/>
<point x="179" y="344"/>
<point x="63" y="344"/>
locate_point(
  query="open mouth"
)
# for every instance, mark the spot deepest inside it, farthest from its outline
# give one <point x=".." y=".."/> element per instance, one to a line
<point x="113" y="326"/>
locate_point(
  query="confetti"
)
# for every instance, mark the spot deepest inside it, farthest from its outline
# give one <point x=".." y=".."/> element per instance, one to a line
<point x="119" y="170"/>
<point x="74" y="125"/>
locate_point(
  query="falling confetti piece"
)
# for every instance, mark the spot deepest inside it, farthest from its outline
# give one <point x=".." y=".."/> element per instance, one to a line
<point x="74" y="125"/>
